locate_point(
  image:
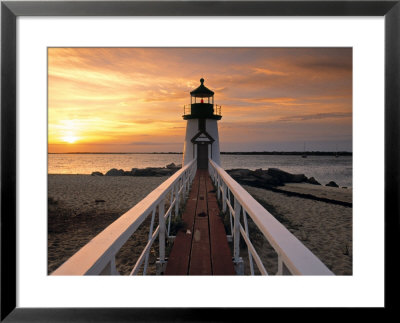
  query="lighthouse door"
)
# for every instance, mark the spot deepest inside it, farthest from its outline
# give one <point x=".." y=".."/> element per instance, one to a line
<point x="202" y="156"/>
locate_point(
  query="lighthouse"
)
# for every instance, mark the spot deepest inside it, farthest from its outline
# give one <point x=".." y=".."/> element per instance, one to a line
<point x="201" y="139"/>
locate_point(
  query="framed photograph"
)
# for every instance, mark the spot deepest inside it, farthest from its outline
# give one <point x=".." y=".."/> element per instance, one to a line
<point x="329" y="72"/>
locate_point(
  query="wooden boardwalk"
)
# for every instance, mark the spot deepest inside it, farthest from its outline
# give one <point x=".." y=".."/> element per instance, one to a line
<point x="201" y="248"/>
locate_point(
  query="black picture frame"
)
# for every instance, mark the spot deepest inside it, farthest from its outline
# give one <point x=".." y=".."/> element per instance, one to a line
<point x="10" y="10"/>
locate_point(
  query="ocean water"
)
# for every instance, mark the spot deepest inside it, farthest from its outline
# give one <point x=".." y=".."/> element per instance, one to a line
<point x="323" y="168"/>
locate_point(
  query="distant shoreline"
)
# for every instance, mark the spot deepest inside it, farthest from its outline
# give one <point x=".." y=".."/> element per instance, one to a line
<point x="278" y="153"/>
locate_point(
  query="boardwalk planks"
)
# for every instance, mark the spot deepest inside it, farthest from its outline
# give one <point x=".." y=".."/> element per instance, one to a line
<point x="178" y="262"/>
<point x="200" y="260"/>
<point x="221" y="258"/>
<point x="202" y="248"/>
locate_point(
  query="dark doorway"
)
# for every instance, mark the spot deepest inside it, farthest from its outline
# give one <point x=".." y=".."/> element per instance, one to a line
<point x="202" y="156"/>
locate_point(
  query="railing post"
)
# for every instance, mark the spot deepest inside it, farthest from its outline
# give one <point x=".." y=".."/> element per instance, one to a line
<point x="280" y="265"/>
<point x="214" y="176"/>
<point x="161" y="222"/>
<point x="246" y="228"/>
<point x="110" y="268"/>
<point x="161" y="237"/>
<point x="183" y="186"/>
<point x="219" y="187"/>
<point x="193" y="172"/>
<point x="282" y="269"/>
<point x="176" y="190"/>
<point x="171" y="198"/>
<point x="239" y="268"/>
<point x="146" y="261"/>
<point x="223" y="197"/>
<point x="186" y="184"/>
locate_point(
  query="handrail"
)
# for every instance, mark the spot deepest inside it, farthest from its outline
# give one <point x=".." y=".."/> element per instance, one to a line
<point x="293" y="256"/>
<point x="97" y="257"/>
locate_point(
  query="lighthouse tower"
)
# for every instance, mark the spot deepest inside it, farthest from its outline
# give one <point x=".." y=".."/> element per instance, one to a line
<point x="201" y="140"/>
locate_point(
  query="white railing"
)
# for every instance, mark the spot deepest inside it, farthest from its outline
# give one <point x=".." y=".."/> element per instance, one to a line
<point x="293" y="257"/>
<point x="97" y="257"/>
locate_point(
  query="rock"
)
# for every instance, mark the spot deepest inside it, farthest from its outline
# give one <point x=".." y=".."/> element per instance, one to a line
<point x="144" y="172"/>
<point x="257" y="178"/>
<point x="258" y="171"/>
<point x="164" y="171"/>
<point x="298" y="178"/>
<point x="115" y="172"/>
<point x="149" y="171"/>
<point x="248" y="179"/>
<point x="152" y="171"/>
<point x="286" y="177"/>
<point x="99" y="201"/>
<point x="268" y="179"/>
<point x="332" y="184"/>
<point x="313" y="181"/>
<point x="238" y="172"/>
<point x="97" y="174"/>
<point x="171" y="166"/>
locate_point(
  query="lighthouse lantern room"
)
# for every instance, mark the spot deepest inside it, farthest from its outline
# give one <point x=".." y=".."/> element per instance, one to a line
<point x="201" y="140"/>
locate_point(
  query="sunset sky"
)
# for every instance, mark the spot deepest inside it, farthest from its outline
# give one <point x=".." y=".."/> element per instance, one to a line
<point x="131" y="99"/>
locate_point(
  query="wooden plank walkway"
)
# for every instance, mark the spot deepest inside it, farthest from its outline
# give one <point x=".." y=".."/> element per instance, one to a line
<point x="201" y="248"/>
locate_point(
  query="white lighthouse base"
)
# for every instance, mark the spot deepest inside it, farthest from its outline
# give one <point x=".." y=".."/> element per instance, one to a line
<point x="190" y="149"/>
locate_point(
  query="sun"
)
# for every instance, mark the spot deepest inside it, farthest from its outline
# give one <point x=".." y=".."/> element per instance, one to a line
<point x="70" y="139"/>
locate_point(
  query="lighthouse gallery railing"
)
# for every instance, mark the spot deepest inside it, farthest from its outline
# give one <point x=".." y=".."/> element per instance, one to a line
<point x="97" y="257"/>
<point x="293" y="257"/>
<point x="187" y="109"/>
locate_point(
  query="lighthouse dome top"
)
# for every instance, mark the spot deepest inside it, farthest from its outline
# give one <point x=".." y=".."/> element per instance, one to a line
<point x="202" y="91"/>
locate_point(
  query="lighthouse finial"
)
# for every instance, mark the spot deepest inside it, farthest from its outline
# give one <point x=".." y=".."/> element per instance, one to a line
<point x="201" y="80"/>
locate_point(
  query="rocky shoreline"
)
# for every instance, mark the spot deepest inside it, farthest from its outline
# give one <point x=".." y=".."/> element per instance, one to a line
<point x="147" y="172"/>
<point x="270" y="178"/>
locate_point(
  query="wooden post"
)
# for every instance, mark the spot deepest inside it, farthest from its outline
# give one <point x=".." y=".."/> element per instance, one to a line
<point x="218" y="187"/>
<point x="176" y="190"/>
<point x="161" y="235"/>
<point x="110" y="268"/>
<point x="183" y="187"/>
<point x="236" y="234"/>
<point x="248" y="236"/>
<point x="280" y="265"/>
<point x="239" y="266"/>
<point x="186" y="178"/>
<point x="223" y="197"/>
<point x="181" y="184"/>
<point x="146" y="261"/>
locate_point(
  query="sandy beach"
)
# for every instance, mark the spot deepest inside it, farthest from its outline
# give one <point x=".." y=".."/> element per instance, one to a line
<point x="81" y="206"/>
<point x="324" y="228"/>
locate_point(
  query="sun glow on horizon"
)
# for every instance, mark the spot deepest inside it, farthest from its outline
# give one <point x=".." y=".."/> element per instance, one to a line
<point x="70" y="139"/>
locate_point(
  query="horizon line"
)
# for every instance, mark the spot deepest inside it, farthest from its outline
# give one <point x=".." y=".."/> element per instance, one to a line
<point x="222" y="152"/>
